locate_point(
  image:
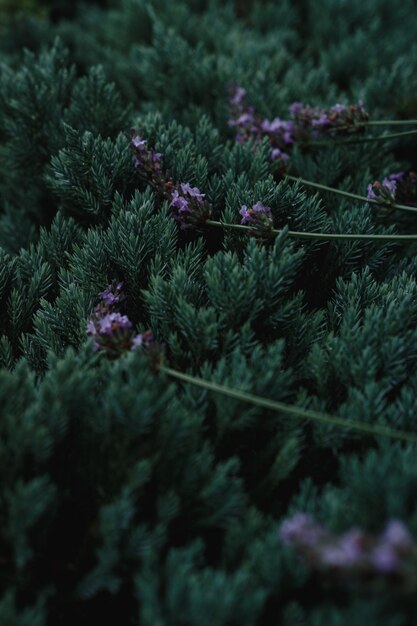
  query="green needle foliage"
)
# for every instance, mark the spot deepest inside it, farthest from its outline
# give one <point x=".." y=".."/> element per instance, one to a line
<point x="128" y="492"/>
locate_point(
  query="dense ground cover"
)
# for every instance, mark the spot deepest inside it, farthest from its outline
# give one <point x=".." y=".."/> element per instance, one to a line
<point x="127" y="492"/>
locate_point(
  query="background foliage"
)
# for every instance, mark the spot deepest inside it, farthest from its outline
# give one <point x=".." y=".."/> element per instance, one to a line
<point x="125" y="495"/>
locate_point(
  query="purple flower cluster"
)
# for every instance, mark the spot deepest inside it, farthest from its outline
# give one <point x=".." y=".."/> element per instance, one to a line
<point x="188" y="206"/>
<point x="145" y="158"/>
<point x="307" y="122"/>
<point x="339" y="119"/>
<point x="113" y="295"/>
<point x="250" y="126"/>
<point x="280" y="157"/>
<point x="109" y="324"/>
<point x="279" y="130"/>
<point x="149" y="164"/>
<point x="400" y="186"/>
<point x="259" y="218"/>
<point x="383" y="193"/>
<point x="354" y="555"/>
<point x="243" y="118"/>
<point x="111" y="331"/>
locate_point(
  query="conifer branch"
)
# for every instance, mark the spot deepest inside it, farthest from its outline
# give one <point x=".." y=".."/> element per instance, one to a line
<point x="348" y="194"/>
<point x="320" y="236"/>
<point x="294" y="411"/>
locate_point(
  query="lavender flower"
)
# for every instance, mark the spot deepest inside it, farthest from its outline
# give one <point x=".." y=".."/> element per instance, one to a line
<point x="295" y="109"/>
<point x="143" y="340"/>
<point x="155" y="351"/>
<point x="281" y="135"/>
<point x="318" y="545"/>
<point x="193" y="192"/>
<point x="112" y="296"/>
<point x="252" y="215"/>
<point x="301" y="530"/>
<point x="148" y="162"/>
<point x="385" y="559"/>
<point x="110" y="330"/>
<point x="243" y="118"/>
<point x="139" y="144"/>
<point x="397" y="176"/>
<point x="246" y="119"/>
<point x="137" y="341"/>
<point x="280" y="132"/>
<point x="113" y="332"/>
<point x="144" y="157"/>
<point x="281" y="159"/>
<point x="247" y="126"/>
<point x="307" y="122"/>
<point x="112" y="323"/>
<point x="237" y="97"/>
<point x="322" y="121"/>
<point x="259" y="217"/>
<point x="383" y="193"/>
<point x="250" y="126"/>
<point x="91" y="328"/>
<point x="354" y="556"/>
<point x="339" y="119"/>
<point x="406" y="191"/>
<point x="332" y="556"/>
<point x="304" y="115"/>
<point x="338" y="108"/>
<point x="397" y="536"/>
<point x="348" y="551"/>
<point x="188" y="206"/>
<point x="390" y="185"/>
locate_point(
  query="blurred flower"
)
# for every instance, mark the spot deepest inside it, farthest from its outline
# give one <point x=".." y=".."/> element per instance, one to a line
<point x="355" y="555"/>
<point x="307" y="122"/>
<point x="339" y="119"/>
<point x="247" y="126"/>
<point x="385" y="559"/>
<point x="301" y="530"/>
<point x="280" y="132"/>
<point x="144" y="340"/>
<point x="296" y="108"/>
<point x="243" y="118"/>
<point x="397" y="536"/>
<point x="237" y="96"/>
<point x="397" y="176"/>
<point x="112" y="296"/>
<point x="281" y="160"/>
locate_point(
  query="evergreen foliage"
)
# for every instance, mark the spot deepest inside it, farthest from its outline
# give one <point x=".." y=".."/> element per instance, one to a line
<point x="126" y="494"/>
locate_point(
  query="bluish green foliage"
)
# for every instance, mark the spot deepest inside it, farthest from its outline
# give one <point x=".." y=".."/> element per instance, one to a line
<point x="126" y="495"/>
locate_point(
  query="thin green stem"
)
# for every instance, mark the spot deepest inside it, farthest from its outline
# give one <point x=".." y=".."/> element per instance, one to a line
<point x="389" y="122"/>
<point x="386" y="137"/>
<point x="320" y="236"/>
<point x="348" y="194"/>
<point x="294" y="411"/>
<point x="351" y="128"/>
